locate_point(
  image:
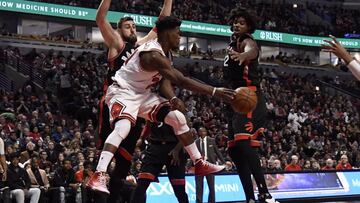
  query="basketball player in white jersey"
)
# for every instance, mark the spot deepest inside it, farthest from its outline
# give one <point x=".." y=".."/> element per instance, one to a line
<point x="336" y="48"/>
<point x="121" y="42"/>
<point x="130" y="96"/>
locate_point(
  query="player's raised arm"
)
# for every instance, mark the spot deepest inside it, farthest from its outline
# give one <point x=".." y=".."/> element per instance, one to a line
<point x="153" y="60"/>
<point x="111" y="37"/>
<point x="165" y="11"/>
<point x="336" y="48"/>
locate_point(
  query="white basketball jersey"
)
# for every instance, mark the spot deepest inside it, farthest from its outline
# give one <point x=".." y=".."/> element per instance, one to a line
<point x="131" y="75"/>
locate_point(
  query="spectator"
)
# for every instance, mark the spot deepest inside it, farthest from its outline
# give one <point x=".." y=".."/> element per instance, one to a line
<point x="64" y="180"/>
<point x="343" y="163"/>
<point x="307" y="165"/>
<point x="43" y="161"/>
<point x="293" y="166"/>
<point x="315" y="166"/>
<point x="19" y="182"/>
<point x="329" y="165"/>
<point x="52" y="153"/>
<point x="28" y="153"/>
<point x="38" y="178"/>
<point x="277" y="165"/>
<point x="294" y="126"/>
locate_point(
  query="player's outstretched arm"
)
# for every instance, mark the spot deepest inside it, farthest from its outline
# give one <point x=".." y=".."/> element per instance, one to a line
<point x="165" y="11"/>
<point x="153" y="60"/>
<point x="111" y="37"/>
<point x="251" y="51"/>
<point x="336" y="48"/>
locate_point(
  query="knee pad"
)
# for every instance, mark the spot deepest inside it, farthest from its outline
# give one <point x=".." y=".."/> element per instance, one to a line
<point x="120" y="132"/>
<point x="177" y="120"/>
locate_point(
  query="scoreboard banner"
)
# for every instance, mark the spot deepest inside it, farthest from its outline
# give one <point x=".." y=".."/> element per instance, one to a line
<point x="79" y="13"/>
<point x="228" y="187"/>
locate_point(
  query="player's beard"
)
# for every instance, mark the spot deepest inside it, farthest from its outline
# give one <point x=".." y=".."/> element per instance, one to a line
<point x="132" y="39"/>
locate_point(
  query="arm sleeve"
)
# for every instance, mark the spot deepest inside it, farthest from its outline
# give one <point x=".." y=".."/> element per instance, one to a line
<point x="354" y="67"/>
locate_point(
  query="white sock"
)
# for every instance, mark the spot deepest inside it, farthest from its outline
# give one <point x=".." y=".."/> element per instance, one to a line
<point x="193" y="152"/>
<point x="104" y="161"/>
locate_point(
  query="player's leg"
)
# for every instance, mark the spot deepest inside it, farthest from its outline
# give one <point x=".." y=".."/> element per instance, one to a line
<point x="243" y="170"/>
<point x="177" y="120"/>
<point x="156" y="109"/>
<point x="176" y="174"/>
<point x="244" y="126"/>
<point x="260" y="120"/>
<point x="123" y="107"/>
<point x="123" y="158"/>
<point x="152" y="163"/>
<point x="104" y="129"/>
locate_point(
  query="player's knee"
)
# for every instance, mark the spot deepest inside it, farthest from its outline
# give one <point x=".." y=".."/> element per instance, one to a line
<point x="120" y="132"/>
<point x="177" y="120"/>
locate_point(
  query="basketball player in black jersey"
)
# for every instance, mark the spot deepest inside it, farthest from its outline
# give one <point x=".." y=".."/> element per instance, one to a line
<point x="240" y="70"/>
<point x="164" y="149"/>
<point x="121" y="43"/>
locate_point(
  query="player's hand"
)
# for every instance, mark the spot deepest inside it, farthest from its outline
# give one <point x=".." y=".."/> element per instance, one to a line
<point x="236" y="56"/>
<point x="139" y="142"/>
<point x="224" y="93"/>
<point x="336" y="48"/>
<point x="178" y="104"/>
<point x="175" y="161"/>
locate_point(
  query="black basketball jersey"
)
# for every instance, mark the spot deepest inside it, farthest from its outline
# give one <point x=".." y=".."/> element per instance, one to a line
<point x="243" y="75"/>
<point x="115" y="63"/>
<point x="161" y="132"/>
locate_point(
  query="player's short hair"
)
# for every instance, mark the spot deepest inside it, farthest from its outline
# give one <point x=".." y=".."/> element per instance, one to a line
<point x="167" y="23"/>
<point x="124" y="19"/>
<point x="241" y="12"/>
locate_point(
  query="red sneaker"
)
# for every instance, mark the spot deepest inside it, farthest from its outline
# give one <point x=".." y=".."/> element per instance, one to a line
<point x="203" y="168"/>
<point x="97" y="182"/>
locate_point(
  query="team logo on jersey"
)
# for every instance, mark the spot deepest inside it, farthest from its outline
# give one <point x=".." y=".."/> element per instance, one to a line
<point x="117" y="109"/>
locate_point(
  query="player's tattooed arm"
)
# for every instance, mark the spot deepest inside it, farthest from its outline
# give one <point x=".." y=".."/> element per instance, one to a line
<point x="154" y="61"/>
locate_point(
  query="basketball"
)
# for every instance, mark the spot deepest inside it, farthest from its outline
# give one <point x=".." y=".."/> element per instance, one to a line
<point x="245" y="100"/>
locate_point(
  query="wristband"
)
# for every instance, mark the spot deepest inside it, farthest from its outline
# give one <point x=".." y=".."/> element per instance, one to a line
<point x="213" y="92"/>
<point x="353" y="59"/>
